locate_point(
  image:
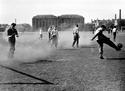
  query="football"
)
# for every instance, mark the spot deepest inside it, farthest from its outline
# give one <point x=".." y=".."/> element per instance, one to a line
<point x="120" y="45"/>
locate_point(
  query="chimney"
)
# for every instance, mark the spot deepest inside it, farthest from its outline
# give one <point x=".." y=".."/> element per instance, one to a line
<point x="119" y="19"/>
<point x="15" y="20"/>
<point x="119" y="14"/>
<point x="115" y="16"/>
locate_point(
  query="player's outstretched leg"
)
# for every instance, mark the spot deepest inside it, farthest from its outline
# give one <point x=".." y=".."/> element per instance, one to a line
<point x="111" y="44"/>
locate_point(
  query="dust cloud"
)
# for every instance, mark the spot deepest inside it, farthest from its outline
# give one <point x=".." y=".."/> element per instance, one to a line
<point x="66" y="38"/>
<point x="29" y="47"/>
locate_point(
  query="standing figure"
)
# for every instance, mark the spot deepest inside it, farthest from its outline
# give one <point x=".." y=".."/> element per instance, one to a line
<point x="114" y="33"/>
<point x="11" y="33"/>
<point x="54" y="36"/>
<point x="108" y="30"/>
<point x="40" y="32"/>
<point x="101" y="39"/>
<point x="49" y="32"/>
<point x="76" y="36"/>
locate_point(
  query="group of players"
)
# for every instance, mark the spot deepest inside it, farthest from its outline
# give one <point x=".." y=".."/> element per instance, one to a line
<point x="53" y="38"/>
<point x="53" y="35"/>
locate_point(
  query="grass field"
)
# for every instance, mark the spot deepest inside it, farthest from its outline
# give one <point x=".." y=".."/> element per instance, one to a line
<point x="39" y="67"/>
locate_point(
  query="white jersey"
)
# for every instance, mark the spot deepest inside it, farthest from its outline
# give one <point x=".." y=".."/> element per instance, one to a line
<point x="75" y="30"/>
<point x="49" y="30"/>
<point x="54" y="32"/>
<point x="98" y="30"/>
<point x="40" y="32"/>
<point x="114" y="30"/>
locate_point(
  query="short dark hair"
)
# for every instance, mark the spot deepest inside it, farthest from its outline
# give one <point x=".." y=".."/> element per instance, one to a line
<point x="103" y="26"/>
<point x="13" y="24"/>
<point x="77" y="25"/>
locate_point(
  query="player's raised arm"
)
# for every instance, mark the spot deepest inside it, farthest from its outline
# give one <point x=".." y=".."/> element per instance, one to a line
<point x="96" y="34"/>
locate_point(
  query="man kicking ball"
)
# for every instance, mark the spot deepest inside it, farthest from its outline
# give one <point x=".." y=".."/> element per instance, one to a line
<point x="101" y="39"/>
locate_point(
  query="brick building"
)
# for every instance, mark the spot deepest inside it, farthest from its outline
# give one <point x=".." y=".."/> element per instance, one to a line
<point x="44" y="21"/>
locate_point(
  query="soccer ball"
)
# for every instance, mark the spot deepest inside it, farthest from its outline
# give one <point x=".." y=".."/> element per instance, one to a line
<point x="120" y="45"/>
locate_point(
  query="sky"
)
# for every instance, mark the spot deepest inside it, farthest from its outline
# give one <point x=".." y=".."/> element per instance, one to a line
<point x="24" y="10"/>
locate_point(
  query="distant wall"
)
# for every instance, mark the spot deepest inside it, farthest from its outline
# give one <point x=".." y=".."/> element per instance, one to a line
<point x="89" y="27"/>
<point x="3" y="27"/>
<point x="24" y="27"/>
<point x="62" y="22"/>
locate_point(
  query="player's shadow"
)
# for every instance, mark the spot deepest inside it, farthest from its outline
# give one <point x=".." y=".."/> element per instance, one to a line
<point x="38" y="61"/>
<point x="23" y="83"/>
<point x="86" y="46"/>
<point x="42" y="81"/>
<point x="75" y="48"/>
<point x="116" y="58"/>
<point x="72" y="49"/>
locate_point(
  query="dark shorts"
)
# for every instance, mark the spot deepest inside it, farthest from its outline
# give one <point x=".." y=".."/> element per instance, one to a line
<point x="76" y="37"/>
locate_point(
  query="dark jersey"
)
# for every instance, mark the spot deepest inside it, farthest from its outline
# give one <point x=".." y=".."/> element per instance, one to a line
<point x="102" y="37"/>
<point x="12" y="32"/>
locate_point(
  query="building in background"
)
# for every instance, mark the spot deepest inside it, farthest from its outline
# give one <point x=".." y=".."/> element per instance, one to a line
<point x="3" y="27"/>
<point x="67" y="21"/>
<point x="121" y="22"/>
<point x="61" y="22"/>
<point x="43" y="21"/>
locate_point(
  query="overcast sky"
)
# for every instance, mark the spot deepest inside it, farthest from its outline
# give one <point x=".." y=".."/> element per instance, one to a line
<point x="24" y="10"/>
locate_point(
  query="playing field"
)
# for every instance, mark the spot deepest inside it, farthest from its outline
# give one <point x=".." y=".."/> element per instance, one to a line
<point x="39" y="67"/>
